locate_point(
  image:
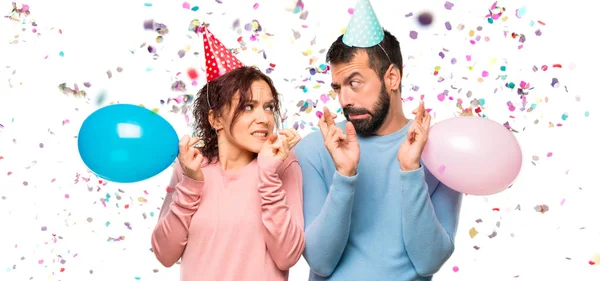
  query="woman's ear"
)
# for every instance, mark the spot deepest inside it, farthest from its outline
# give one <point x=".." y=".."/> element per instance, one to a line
<point x="215" y="120"/>
<point x="393" y="78"/>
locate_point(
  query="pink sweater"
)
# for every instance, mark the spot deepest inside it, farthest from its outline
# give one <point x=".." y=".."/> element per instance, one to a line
<point x="237" y="225"/>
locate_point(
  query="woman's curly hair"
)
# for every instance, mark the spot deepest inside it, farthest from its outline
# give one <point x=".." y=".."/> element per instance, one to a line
<point x="221" y="93"/>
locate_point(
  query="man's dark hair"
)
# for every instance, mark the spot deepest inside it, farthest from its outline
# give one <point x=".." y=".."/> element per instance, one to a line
<point x="378" y="61"/>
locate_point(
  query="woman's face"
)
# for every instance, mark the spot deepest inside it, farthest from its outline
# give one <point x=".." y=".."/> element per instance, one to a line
<point x="255" y="123"/>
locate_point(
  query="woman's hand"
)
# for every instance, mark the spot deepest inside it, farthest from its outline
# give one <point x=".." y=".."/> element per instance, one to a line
<point x="190" y="158"/>
<point x="292" y="136"/>
<point x="279" y="148"/>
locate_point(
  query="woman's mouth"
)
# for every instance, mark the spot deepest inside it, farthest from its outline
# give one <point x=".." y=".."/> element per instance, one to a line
<point x="260" y="135"/>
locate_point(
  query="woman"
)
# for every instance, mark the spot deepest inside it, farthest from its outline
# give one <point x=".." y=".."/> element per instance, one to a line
<point x="234" y="205"/>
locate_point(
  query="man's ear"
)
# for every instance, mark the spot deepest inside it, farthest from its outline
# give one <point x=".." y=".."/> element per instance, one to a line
<point x="215" y="120"/>
<point x="392" y="78"/>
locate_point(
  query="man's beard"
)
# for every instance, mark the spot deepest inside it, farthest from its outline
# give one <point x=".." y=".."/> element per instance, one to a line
<point x="368" y="126"/>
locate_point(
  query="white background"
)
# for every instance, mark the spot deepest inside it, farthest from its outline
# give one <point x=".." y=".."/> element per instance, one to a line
<point x="98" y="36"/>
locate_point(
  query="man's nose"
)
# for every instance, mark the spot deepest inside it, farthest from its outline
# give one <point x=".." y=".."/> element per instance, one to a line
<point x="346" y="97"/>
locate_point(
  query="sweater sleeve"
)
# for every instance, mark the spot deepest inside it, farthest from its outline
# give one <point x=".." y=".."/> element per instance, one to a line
<point x="170" y="235"/>
<point x="281" y="204"/>
<point x="429" y="222"/>
<point x="327" y="212"/>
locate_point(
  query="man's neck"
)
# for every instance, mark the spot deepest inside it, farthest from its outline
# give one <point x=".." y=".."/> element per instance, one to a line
<point x="392" y="125"/>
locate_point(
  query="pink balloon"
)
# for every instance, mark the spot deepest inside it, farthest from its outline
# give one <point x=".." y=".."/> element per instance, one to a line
<point x="473" y="155"/>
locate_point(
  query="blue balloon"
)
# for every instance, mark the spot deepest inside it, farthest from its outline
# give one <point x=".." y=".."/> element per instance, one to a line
<point x="127" y="143"/>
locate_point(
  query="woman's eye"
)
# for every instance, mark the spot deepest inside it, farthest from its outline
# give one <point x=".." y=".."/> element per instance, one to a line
<point x="248" y="107"/>
<point x="270" y="107"/>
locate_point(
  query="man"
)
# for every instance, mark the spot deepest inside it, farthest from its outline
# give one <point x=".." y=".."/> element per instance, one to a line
<point x="372" y="211"/>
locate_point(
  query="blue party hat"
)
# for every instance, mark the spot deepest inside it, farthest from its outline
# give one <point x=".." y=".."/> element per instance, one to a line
<point x="364" y="29"/>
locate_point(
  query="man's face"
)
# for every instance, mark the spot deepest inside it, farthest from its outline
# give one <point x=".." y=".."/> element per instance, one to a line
<point x="362" y="95"/>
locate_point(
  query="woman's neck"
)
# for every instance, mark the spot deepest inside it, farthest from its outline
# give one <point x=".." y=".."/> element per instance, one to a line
<point x="233" y="158"/>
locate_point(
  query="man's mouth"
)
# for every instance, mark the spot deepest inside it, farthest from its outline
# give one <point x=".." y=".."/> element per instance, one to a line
<point x="358" y="116"/>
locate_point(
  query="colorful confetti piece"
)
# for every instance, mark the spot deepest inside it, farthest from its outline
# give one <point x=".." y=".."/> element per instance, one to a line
<point x="451" y="60"/>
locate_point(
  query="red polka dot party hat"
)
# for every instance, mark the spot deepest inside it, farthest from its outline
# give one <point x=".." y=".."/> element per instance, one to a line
<point x="219" y="60"/>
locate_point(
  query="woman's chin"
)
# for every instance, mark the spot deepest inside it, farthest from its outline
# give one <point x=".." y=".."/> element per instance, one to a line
<point x="256" y="148"/>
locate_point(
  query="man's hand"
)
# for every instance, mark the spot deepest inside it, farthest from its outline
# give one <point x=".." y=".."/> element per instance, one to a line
<point x="409" y="154"/>
<point x="343" y="148"/>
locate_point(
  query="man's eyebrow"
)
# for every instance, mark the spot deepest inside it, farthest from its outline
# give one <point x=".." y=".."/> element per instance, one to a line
<point x="351" y="76"/>
<point x="347" y="79"/>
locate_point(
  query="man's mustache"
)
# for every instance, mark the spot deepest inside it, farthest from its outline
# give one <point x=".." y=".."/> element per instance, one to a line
<point x="355" y="111"/>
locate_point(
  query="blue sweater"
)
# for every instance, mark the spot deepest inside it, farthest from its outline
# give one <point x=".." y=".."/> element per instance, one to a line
<point x="382" y="224"/>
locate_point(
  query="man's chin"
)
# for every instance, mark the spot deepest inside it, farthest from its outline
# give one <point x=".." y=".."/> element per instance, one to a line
<point x="362" y="127"/>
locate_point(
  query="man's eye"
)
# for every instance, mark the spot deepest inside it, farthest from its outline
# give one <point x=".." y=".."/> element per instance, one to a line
<point x="354" y="84"/>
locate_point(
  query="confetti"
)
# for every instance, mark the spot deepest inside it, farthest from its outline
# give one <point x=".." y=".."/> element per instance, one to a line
<point x="413" y="34"/>
<point x="149" y="25"/>
<point x="442" y="169"/>
<point x="473" y="232"/>
<point x="457" y="70"/>
<point x="448" y="6"/>
<point x="192" y="73"/>
<point x="448" y="25"/>
<point x="520" y="12"/>
<point x="541" y="208"/>
<point x="425" y="18"/>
